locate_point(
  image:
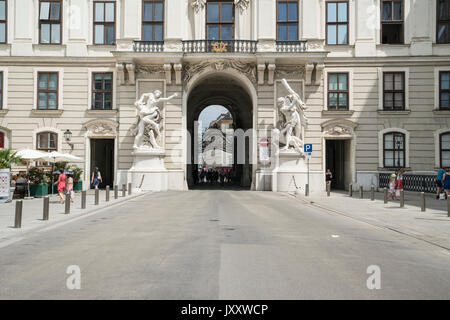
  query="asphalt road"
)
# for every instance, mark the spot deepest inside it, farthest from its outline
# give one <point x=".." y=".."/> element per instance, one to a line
<point x="222" y="245"/>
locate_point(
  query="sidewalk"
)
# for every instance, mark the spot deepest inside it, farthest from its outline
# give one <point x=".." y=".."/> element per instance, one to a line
<point x="433" y="225"/>
<point x="32" y="212"/>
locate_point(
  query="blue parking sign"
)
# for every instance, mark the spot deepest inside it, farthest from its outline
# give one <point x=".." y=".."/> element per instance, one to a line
<point x="307" y="148"/>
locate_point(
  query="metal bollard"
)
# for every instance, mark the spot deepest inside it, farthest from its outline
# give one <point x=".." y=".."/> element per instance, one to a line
<point x="372" y="193"/>
<point x="402" y="199"/>
<point x="97" y="196"/>
<point x="361" y="192"/>
<point x="67" y="204"/>
<point x="306" y="190"/>
<point x="107" y="194"/>
<point x="124" y="190"/>
<point x="422" y="201"/>
<point x="385" y="195"/>
<point x="116" y="191"/>
<point x="83" y="199"/>
<point x="129" y="189"/>
<point x="18" y="215"/>
<point x="350" y="190"/>
<point x="46" y="208"/>
<point x="328" y="190"/>
<point x="448" y="206"/>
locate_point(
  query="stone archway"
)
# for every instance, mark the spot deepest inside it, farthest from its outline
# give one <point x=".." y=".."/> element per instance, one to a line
<point x="221" y="88"/>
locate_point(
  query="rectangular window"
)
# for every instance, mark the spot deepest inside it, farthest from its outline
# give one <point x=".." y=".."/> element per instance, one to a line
<point x="444" y="146"/>
<point x="444" y="90"/>
<point x="287" y="20"/>
<point x="102" y="91"/>
<point x="47" y="91"/>
<point x="104" y="23"/>
<point x="394" y="150"/>
<point x="46" y="141"/>
<point x="220" y="20"/>
<point x="50" y="21"/>
<point x="3" y="21"/>
<point x="2" y="140"/>
<point x="392" y="22"/>
<point x="1" y="90"/>
<point x="394" y="91"/>
<point x="443" y="21"/>
<point x="153" y="20"/>
<point x="337" y="22"/>
<point x="338" y="91"/>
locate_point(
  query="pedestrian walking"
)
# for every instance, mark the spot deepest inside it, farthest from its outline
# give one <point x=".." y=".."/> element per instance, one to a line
<point x="328" y="178"/>
<point x="446" y="180"/>
<point x="96" y="178"/>
<point x="399" y="182"/>
<point x="61" y="184"/>
<point x="439" y="180"/>
<point x="392" y="187"/>
<point x="69" y="188"/>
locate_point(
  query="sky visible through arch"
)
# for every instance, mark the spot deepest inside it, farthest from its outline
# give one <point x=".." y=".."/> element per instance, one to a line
<point x="209" y="114"/>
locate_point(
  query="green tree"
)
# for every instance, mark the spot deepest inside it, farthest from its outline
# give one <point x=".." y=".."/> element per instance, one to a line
<point x="7" y="157"/>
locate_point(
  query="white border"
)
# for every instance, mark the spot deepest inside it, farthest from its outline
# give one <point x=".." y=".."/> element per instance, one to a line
<point x="5" y="88"/>
<point x="380" y="145"/>
<point x="437" y="153"/>
<point x="58" y="132"/>
<point x="60" y="86"/>
<point x="436" y="85"/>
<point x="91" y="22"/>
<point x="114" y="87"/>
<point x="380" y="71"/>
<point x="350" y="87"/>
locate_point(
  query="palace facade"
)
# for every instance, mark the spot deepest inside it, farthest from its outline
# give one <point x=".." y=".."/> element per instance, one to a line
<point x="374" y="74"/>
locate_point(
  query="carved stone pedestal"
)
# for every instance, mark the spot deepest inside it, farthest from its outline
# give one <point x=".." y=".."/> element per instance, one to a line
<point x="148" y="172"/>
<point x="291" y="174"/>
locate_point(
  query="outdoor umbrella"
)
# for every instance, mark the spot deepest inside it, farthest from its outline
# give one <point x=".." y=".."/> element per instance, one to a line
<point x="29" y="155"/>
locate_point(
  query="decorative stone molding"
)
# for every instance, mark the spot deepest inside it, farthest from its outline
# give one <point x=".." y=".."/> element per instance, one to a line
<point x="319" y="73"/>
<point x="153" y="68"/>
<point x="338" y="130"/>
<point x="101" y="128"/>
<point x="168" y="70"/>
<point x="242" y="4"/>
<point x="249" y="69"/>
<point x="271" y="67"/>
<point x="121" y="73"/>
<point x="131" y="74"/>
<point x="198" y="5"/>
<point x="342" y="128"/>
<point x="286" y="70"/>
<point x="309" y="70"/>
<point x="178" y="67"/>
<point x="261" y="70"/>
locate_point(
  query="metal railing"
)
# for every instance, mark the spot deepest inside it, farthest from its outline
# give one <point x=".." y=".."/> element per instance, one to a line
<point x="148" y="46"/>
<point x="292" y="46"/>
<point x="219" y="46"/>
<point x="411" y="182"/>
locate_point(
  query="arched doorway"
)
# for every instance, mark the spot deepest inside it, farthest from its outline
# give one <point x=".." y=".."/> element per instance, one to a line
<point x="220" y="89"/>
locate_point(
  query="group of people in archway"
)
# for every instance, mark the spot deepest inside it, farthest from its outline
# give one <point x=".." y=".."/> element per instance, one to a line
<point x="216" y="176"/>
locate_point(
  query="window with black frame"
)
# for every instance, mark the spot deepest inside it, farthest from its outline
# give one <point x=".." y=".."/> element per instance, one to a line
<point x="444" y="90"/>
<point x="220" y="20"/>
<point x="102" y="90"/>
<point x="47" y="90"/>
<point x="46" y="141"/>
<point x="392" y="22"/>
<point x="287" y="20"/>
<point x="394" y="150"/>
<point x="104" y="23"/>
<point x="393" y="91"/>
<point x="443" y="21"/>
<point x="50" y="21"/>
<point x="338" y="93"/>
<point x="444" y="146"/>
<point x="153" y="20"/>
<point x="3" y="21"/>
<point x="337" y="22"/>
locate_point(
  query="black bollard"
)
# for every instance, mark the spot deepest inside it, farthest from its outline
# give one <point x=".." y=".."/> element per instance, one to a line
<point x="18" y="215"/>
<point x="361" y="192"/>
<point x="124" y="190"/>
<point x="46" y="208"/>
<point x="306" y="190"/>
<point x="385" y="195"/>
<point x="372" y="193"/>
<point x="67" y="204"/>
<point x="107" y="194"/>
<point x="448" y="206"/>
<point x="422" y="201"/>
<point x="83" y="199"/>
<point x="116" y="191"/>
<point x="328" y="190"/>
<point x="129" y="189"/>
<point x="97" y="197"/>
<point x="350" y="190"/>
<point x="402" y="198"/>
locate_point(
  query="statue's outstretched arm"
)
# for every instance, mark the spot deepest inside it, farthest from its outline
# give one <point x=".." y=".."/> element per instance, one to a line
<point x="168" y="98"/>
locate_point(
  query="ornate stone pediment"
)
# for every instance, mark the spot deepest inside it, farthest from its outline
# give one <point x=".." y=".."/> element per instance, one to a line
<point x="297" y="70"/>
<point x="101" y="128"/>
<point x="249" y="69"/>
<point x="198" y="5"/>
<point x="152" y="68"/>
<point x="338" y="127"/>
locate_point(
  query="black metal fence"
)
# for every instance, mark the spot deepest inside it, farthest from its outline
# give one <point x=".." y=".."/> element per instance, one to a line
<point x="411" y="182"/>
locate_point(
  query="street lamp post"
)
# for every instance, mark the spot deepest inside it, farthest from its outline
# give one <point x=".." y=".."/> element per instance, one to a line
<point x="68" y="137"/>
